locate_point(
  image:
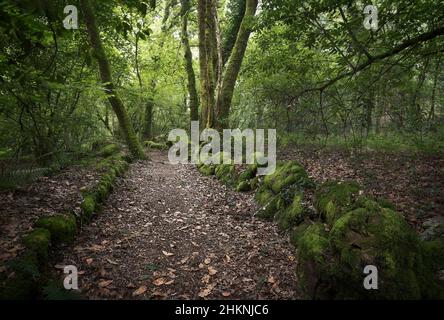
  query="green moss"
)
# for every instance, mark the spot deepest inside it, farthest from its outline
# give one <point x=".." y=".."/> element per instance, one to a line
<point x="334" y="198"/>
<point x="297" y="233"/>
<point x="292" y="215"/>
<point x="226" y="173"/>
<point x="243" y="186"/>
<point x="259" y="157"/>
<point x="88" y="206"/>
<point x="286" y="174"/>
<point x="62" y="227"/>
<point x="254" y="183"/>
<point x="207" y="170"/>
<point x="381" y="237"/>
<point x="385" y="203"/>
<point x="109" y="150"/>
<point x="270" y="209"/>
<point x="428" y="264"/>
<point x="23" y="284"/>
<point x="155" y="145"/>
<point x="38" y="242"/>
<point x="263" y="195"/>
<point x="313" y="254"/>
<point x="54" y="291"/>
<point x="248" y="174"/>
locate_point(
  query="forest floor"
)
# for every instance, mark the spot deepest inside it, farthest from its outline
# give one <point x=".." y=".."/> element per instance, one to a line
<point x="413" y="182"/>
<point x="168" y="232"/>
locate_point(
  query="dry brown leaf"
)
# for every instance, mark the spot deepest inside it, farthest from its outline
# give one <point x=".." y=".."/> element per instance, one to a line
<point x="105" y="283"/>
<point x="159" y="281"/>
<point x="89" y="260"/>
<point x="206" y="278"/>
<point x="227" y="259"/>
<point x="140" y="291"/>
<point x="226" y="294"/>
<point x="207" y="261"/>
<point x="271" y="279"/>
<point x="205" y="292"/>
<point x="167" y="254"/>
<point x="212" y="271"/>
<point x="112" y="262"/>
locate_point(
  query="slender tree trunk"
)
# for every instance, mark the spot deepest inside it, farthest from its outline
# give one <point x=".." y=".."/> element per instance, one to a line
<point x="206" y="66"/>
<point x="435" y="82"/>
<point x="415" y="109"/>
<point x="234" y="64"/>
<point x="105" y="73"/>
<point x="148" y="127"/>
<point x="194" y="102"/>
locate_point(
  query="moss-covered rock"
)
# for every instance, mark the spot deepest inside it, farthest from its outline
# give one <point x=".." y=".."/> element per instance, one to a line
<point x="226" y="173"/>
<point x="333" y="199"/>
<point x="156" y="145"/>
<point x="379" y="237"/>
<point x="270" y="209"/>
<point x="88" y="206"/>
<point x="243" y="186"/>
<point x="38" y="242"/>
<point x="248" y="174"/>
<point x="207" y="170"/>
<point x="109" y="150"/>
<point x="62" y="227"/>
<point x="264" y="195"/>
<point x="22" y="285"/>
<point x="293" y="214"/>
<point x="286" y="174"/>
<point x="428" y="264"/>
<point x="331" y="263"/>
<point x="314" y="255"/>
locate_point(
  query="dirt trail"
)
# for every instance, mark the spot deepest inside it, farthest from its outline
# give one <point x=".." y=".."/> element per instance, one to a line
<point x="167" y="232"/>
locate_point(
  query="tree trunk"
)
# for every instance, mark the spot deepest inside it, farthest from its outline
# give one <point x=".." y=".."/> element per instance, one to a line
<point x="105" y="73"/>
<point x="206" y="65"/>
<point x="234" y="65"/>
<point x="148" y="127"/>
<point x="194" y="102"/>
<point x="415" y="113"/>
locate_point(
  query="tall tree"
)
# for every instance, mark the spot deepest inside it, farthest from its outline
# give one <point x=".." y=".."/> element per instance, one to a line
<point x="217" y="82"/>
<point x="194" y="102"/>
<point x="105" y="73"/>
<point x="225" y="96"/>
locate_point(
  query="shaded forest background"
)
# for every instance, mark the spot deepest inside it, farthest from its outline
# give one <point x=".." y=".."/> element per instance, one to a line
<point x="311" y="70"/>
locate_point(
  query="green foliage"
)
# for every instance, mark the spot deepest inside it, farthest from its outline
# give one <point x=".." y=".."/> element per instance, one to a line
<point x="109" y="150"/>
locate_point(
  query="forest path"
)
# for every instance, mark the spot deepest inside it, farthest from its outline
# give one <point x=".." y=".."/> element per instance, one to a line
<point x="167" y="232"/>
